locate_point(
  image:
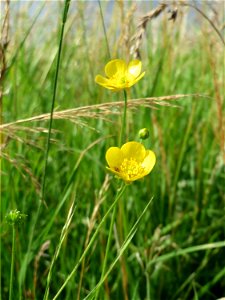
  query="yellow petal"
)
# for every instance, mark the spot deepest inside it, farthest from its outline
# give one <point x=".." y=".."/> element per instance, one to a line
<point x="149" y="161"/>
<point x="134" y="67"/>
<point x="109" y="83"/>
<point x="113" y="171"/>
<point x="114" y="157"/>
<point x="103" y="81"/>
<point x="116" y="68"/>
<point x="134" y="150"/>
<point x="137" y="177"/>
<point x="129" y="84"/>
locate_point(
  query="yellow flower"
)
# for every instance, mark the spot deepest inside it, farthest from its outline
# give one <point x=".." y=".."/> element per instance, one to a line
<point x="130" y="162"/>
<point x="120" y="75"/>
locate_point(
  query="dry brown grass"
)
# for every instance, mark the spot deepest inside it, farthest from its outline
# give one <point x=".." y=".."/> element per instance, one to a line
<point x="124" y="41"/>
<point x="202" y="13"/>
<point x="173" y="10"/>
<point x="137" y="38"/>
<point x="79" y="115"/>
<point x="96" y="111"/>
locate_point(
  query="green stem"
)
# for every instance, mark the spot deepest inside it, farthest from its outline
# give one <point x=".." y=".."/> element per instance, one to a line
<point x="119" y="194"/>
<point x="66" y="8"/>
<point x="65" y="12"/>
<point x="107" y="248"/>
<point x="122" y="138"/>
<point x="173" y="199"/>
<point x="58" y="248"/>
<point x="24" y="39"/>
<point x="12" y="263"/>
<point x="104" y="28"/>
<point x="124" y="120"/>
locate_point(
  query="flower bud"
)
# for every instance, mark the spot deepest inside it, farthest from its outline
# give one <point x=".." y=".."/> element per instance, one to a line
<point x="15" y="217"/>
<point x="143" y="133"/>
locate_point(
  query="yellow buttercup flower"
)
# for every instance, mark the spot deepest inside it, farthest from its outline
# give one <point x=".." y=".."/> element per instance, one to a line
<point x="120" y="75"/>
<point x="130" y="162"/>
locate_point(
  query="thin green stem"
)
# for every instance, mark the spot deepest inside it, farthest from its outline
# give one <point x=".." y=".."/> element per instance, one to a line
<point x="107" y="247"/>
<point x="58" y="248"/>
<point x="207" y="18"/>
<point x="172" y="202"/>
<point x="12" y="262"/>
<point x="180" y="252"/>
<point x="24" y="39"/>
<point x="119" y="194"/>
<point x="104" y="28"/>
<point x="124" y="246"/>
<point x="66" y="8"/>
<point x="65" y="13"/>
<point x="122" y="138"/>
<point x="124" y="121"/>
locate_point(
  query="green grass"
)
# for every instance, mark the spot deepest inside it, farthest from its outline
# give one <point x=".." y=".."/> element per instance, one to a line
<point x="168" y="241"/>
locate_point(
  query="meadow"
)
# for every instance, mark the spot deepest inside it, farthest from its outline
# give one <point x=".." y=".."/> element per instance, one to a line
<point x="70" y="229"/>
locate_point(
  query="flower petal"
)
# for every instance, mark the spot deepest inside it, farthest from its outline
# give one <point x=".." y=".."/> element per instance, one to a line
<point x="139" y="176"/>
<point x="113" y="171"/>
<point x="116" y="67"/>
<point x="134" y="150"/>
<point x="149" y="161"/>
<point x="114" y="157"/>
<point x="103" y="82"/>
<point x="134" y="81"/>
<point x="110" y="84"/>
<point x="134" y="67"/>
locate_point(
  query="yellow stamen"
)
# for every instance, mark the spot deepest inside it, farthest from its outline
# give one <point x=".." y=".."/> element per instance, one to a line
<point x="131" y="167"/>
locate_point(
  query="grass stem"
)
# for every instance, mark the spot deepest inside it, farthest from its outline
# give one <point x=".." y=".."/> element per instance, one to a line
<point x="65" y="12"/>
<point x="12" y="263"/>
<point x="104" y="28"/>
<point x="66" y="8"/>
<point x="124" y="121"/>
<point x="107" y="247"/>
<point x="119" y="195"/>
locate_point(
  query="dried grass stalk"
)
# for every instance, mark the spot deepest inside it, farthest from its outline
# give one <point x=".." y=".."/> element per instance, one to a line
<point x="137" y="38"/>
<point x="205" y="17"/>
<point x="97" y="111"/>
<point x="124" y="39"/>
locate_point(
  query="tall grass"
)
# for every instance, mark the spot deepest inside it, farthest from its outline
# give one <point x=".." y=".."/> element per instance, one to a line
<point x="168" y="239"/>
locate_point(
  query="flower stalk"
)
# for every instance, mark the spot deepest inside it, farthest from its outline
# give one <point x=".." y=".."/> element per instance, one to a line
<point x="109" y="240"/>
<point x="12" y="262"/>
<point x="122" y="137"/>
<point x="13" y="218"/>
<point x="124" y="120"/>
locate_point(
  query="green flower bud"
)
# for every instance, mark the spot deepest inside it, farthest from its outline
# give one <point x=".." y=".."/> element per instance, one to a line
<point x="15" y="217"/>
<point x="143" y="133"/>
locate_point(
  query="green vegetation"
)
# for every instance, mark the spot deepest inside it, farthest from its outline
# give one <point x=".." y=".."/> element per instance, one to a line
<point x="168" y="238"/>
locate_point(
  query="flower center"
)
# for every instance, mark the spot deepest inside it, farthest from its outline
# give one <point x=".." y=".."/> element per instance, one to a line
<point x="119" y="79"/>
<point x="131" y="167"/>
